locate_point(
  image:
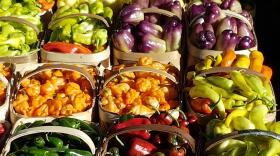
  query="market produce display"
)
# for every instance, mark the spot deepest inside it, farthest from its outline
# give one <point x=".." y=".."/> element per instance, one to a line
<point x="148" y="32"/>
<point x="17" y="39"/>
<point x="81" y="34"/>
<point x="140" y="93"/>
<point x="53" y="143"/>
<point x="53" y="93"/>
<point x="73" y="99"/>
<point x="212" y="28"/>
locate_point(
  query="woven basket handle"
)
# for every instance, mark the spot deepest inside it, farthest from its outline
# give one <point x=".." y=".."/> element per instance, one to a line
<point x="160" y="11"/>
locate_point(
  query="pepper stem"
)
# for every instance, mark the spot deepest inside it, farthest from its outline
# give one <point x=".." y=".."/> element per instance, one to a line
<point x="119" y="141"/>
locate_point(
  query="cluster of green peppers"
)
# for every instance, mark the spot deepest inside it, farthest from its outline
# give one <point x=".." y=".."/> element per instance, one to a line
<point x="240" y="119"/>
<point x="96" y="7"/>
<point x="247" y="146"/>
<point x="26" y="9"/>
<point x="16" y="39"/>
<point x="235" y="90"/>
<point x="45" y="146"/>
<point x="89" y="129"/>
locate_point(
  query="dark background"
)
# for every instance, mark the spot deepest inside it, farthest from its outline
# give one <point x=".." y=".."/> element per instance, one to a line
<point x="268" y="33"/>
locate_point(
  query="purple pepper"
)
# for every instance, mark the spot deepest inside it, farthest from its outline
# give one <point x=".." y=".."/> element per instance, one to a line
<point x="203" y="36"/>
<point x="227" y="41"/>
<point x="212" y="13"/>
<point x="152" y="44"/>
<point x="159" y="3"/>
<point x="132" y="14"/>
<point x="233" y="5"/>
<point x="246" y="43"/>
<point x="196" y="10"/>
<point x="243" y="30"/>
<point x="153" y="18"/>
<point x="175" y="8"/>
<point x="150" y="28"/>
<point x="247" y="15"/>
<point x="141" y="3"/>
<point x="123" y="40"/>
<point x="172" y="34"/>
<point x="228" y="23"/>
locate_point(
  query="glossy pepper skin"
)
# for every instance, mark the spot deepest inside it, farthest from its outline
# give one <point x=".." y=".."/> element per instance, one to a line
<point x="177" y="151"/>
<point x="139" y="147"/>
<point x="203" y="36"/>
<point x="201" y="105"/>
<point x="114" y="151"/>
<point x="132" y="14"/>
<point x="145" y="134"/>
<point x="55" y="141"/>
<point x="39" y="141"/>
<point x="66" y="48"/>
<point x="68" y="122"/>
<point x="76" y="152"/>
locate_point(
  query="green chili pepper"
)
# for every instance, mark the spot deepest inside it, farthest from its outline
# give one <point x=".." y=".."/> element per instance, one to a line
<point x="257" y="116"/>
<point x="224" y="93"/>
<point x="39" y="141"/>
<point x="114" y="151"/>
<point x="75" y="152"/>
<point x="55" y="141"/>
<point x="125" y="117"/>
<point x="69" y="122"/>
<point x="221" y="82"/>
<point x="34" y="151"/>
<point x="242" y="123"/>
<point x="255" y="83"/>
<point x="272" y="150"/>
<point x="228" y="145"/>
<point x="252" y="149"/>
<point x="237" y="151"/>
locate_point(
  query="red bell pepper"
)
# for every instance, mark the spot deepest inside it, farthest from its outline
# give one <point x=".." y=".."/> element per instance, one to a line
<point x="145" y="134"/>
<point x="140" y="147"/>
<point x="2" y="129"/>
<point x="201" y="105"/>
<point x="66" y="48"/>
<point x="177" y="151"/>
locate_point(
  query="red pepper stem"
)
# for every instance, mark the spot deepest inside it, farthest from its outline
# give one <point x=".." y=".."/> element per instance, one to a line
<point x="119" y="140"/>
<point x="177" y="123"/>
<point x="183" y="113"/>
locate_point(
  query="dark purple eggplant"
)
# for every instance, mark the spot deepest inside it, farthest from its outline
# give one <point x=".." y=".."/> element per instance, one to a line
<point x="196" y="10"/>
<point x="228" y="23"/>
<point x="123" y="40"/>
<point x="172" y="34"/>
<point x="233" y="5"/>
<point x="132" y="14"/>
<point x="152" y="44"/>
<point x="150" y="28"/>
<point x="228" y="40"/>
<point x="203" y="36"/>
<point x="246" y="43"/>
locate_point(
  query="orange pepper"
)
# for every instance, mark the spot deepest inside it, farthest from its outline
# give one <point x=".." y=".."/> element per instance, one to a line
<point x="256" y="60"/>
<point x="46" y="4"/>
<point x="228" y="58"/>
<point x="267" y="72"/>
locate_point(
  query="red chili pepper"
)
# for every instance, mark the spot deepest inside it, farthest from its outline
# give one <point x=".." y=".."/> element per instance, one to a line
<point x="140" y="147"/>
<point x="66" y="48"/>
<point x="157" y="139"/>
<point x="201" y="105"/>
<point x="2" y="129"/>
<point x="177" y="151"/>
<point x="145" y="134"/>
<point x="192" y="118"/>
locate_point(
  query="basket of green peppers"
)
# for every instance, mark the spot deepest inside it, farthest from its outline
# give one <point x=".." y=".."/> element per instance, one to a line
<point x="79" y="35"/>
<point x="218" y="92"/>
<point x="245" y="143"/>
<point x="18" y="40"/>
<point x="49" y="136"/>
